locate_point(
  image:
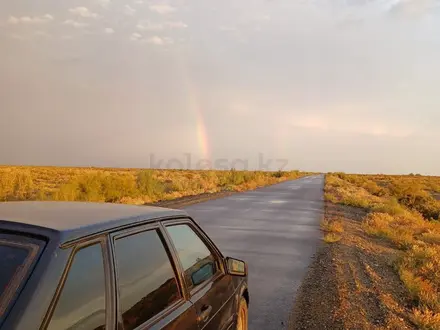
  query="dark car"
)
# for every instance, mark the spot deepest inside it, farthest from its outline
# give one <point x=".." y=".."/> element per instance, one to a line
<point x="107" y="266"/>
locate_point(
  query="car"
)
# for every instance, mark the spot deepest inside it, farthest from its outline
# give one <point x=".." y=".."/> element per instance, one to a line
<point x="80" y="265"/>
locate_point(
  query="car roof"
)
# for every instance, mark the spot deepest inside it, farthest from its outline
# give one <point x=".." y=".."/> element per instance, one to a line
<point x="74" y="220"/>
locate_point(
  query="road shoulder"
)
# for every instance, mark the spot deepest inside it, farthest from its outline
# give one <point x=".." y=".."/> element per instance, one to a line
<point x="351" y="284"/>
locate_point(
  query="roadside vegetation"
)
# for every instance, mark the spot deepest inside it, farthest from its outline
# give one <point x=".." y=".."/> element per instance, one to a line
<point x="404" y="211"/>
<point x="333" y="229"/>
<point x="129" y="186"/>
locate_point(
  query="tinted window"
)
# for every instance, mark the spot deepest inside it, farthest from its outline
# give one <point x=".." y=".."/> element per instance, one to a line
<point x="197" y="260"/>
<point x="82" y="301"/>
<point x="147" y="284"/>
<point x="15" y="260"/>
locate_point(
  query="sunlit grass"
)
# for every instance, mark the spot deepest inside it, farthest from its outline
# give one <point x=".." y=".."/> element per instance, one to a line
<point x="334" y="226"/>
<point x="131" y="186"/>
<point x="332" y="238"/>
<point x="403" y="210"/>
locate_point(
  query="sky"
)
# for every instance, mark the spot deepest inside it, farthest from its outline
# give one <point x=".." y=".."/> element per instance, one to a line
<point x="319" y="85"/>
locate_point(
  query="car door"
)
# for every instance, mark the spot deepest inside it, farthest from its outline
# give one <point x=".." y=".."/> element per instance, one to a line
<point x="149" y="290"/>
<point x="82" y="300"/>
<point x="211" y="290"/>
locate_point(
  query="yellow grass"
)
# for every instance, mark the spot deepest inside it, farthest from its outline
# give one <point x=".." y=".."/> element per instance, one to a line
<point x="334" y="226"/>
<point x="403" y="210"/>
<point x="332" y="238"/>
<point x="333" y="229"/>
<point x="426" y="319"/>
<point x="130" y="186"/>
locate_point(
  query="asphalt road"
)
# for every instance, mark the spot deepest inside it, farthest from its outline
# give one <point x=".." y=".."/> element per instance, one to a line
<point x="276" y="230"/>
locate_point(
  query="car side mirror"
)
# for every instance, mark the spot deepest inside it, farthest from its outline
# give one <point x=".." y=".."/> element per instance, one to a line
<point x="236" y="267"/>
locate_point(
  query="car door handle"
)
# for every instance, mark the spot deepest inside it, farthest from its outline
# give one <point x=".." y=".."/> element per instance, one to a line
<point x="204" y="313"/>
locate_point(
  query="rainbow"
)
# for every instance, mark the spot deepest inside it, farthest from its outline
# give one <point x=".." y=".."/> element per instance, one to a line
<point x="202" y="136"/>
<point x="201" y="132"/>
<point x="194" y="107"/>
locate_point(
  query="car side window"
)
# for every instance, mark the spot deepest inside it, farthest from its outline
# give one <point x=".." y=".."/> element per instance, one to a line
<point x="197" y="260"/>
<point x="146" y="279"/>
<point x="81" y="304"/>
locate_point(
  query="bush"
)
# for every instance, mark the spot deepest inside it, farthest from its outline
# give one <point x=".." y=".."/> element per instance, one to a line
<point x="373" y="188"/>
<point x="332" y="238"/>
<point x="16" y="185"/>
<point x="391" y="207"/>
<point x="148" y="185"/>
<point x="420" y="271"/>
<point x="97" y="187"/>
<point x="334" y="226"/>
<point x="279" y="174"/>
<point x="413" y="196"/>
<point x="426" y="319"/>
<point x="235" y="177"/>
<point x="115" y="187"/>
<point x="122" y="185"/>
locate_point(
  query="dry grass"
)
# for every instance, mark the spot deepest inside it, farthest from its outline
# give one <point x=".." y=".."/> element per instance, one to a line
<point x="333" y="229"/>
<point x="130" y="186"/>
<point x="403" y="210"/>
<point x="332" y="238"/>
<point x="334" y="226"/>
<point x="426" y="319"/>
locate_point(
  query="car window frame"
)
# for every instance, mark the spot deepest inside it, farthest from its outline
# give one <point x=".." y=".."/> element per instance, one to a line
<point x="34" y="247"/>
<point x="109" y="315"/>
<point x="209" y="244"/>
<point x="125" y="232"/>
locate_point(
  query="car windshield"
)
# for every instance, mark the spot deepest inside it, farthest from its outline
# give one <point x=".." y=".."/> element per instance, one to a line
<point x="15" y="260"/>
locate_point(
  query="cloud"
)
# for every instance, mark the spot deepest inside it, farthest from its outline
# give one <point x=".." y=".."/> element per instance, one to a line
<point x="30" y="20"/>
<point x="239" y="108"/>
<point x="261" y="18"/>
<point x="413" y="7"/>
<point x="42" y="34"/>
<point x="17" y="37"/>
<point x="83" y="12"/>
<point x="138" y="2"/>
<point x="109" y="31"/>
<point x="162" y="9"/>
<point x="159" y="41"/>
<point x="135" y="36"/>
<point x="311" y="122"/>
<point x="227" y="28"/>
<point x="176" y="25"/>
<point x="154" y="40"/>
<point x="148" y="26"/>
<point x="103" y="3"/>
<point x="129" y="10"/>
<point x="75" y="24"/>
<point x="373" y="127"/>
